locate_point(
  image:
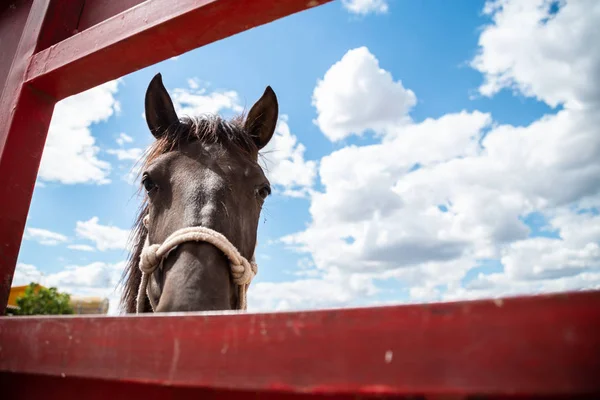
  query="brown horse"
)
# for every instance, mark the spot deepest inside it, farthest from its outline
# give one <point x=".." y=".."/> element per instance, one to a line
<point x="200" y="171"/>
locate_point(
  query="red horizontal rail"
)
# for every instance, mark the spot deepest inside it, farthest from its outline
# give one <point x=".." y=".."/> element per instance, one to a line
<point x="546" y="345"/>
<point x="146" y="34"/>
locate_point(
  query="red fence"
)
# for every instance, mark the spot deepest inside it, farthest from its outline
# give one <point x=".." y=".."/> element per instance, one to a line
<point x="546" y="346"/>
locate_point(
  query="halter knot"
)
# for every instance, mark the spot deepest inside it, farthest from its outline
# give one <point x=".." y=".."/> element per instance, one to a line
<point x="149" y="259"/>
<point x="244" y="272"/>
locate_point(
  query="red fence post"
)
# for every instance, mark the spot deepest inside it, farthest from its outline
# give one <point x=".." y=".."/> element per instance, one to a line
<point x="25" y="115"/>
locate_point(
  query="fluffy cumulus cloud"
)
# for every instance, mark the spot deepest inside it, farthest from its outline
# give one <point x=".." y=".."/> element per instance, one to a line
<point x="129" y="157"/>
<point x="25" y="274"/>
<point x="363" y="7"/>
<point x="356" y="95"/>
<point x="76" y="279"/>
<point x="124" y="138"/>
<point x="543" y="264"/>
<point x="197" y="100"/>
<point x="436" y="199"/>
<point x="333" y="291"/>
<point x="71" y="154"/>
<point x="81" y="247"/>
<point x="543" y="49"/>
<point x="104" y="237"/>
<point x="44" y="236"/>
<point x="284" y="163"/>
<point x="132" y="154"/>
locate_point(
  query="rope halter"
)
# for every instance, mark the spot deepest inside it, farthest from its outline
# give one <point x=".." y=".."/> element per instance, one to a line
<point x="152" y="256"/>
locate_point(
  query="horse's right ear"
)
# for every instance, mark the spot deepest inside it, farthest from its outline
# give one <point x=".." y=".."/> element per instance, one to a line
<point x="160" y="112"/>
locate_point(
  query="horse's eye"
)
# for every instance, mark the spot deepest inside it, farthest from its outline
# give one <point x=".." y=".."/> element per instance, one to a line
<point x="264" y="191"/>
<point x="149" y="185"/>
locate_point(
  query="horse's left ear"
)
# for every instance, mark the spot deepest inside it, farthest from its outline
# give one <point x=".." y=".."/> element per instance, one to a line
<point x="160" y="112"/>
<point x="262" y="118"/>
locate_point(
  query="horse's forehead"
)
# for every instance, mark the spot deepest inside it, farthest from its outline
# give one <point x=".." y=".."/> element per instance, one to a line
<point x="216" y="161"/>
<point x="215" y="153"/>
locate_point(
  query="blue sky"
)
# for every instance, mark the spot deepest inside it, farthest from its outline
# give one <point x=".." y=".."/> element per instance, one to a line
<point x="487" y="101"/>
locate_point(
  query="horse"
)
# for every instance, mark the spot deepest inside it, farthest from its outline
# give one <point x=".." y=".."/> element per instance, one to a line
<point x="201" y="175"/>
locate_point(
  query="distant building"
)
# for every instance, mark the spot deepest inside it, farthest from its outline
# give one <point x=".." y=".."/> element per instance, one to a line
<point x="89" y="305"/>
<point x="80" y="304"/>
<point x="17" y="291"/>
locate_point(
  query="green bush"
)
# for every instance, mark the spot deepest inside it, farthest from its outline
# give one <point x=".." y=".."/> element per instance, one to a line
<point x="43" y="301"/>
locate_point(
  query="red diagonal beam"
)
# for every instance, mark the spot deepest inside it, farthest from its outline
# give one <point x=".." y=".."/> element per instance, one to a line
<point x="547" y="345"/>
<point x="146" y="34"/>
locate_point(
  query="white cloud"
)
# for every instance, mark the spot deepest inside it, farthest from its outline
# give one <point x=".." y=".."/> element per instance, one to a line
<point x="197" y="100"/>
<point x="552" y="57"/>
<point x="284" y="163"/>
<point x="133" y="154"/>
<point x="578" y="229"/>
<point x="541" y="264"/>
<point x="124" y="138"/>
<point x="131" y="157"/>
<point x="543" y="258"/>
<point x="97" y="275"/>
<point x="44" y="236"/>
<point x="499" y="285"/>
<point x="81" y="247"/>
<point x="71" y="154"/>
<point x="133" y="173"/>
<point x="363" y="7"/>
<point x="105" y="237"/>
<point x="333" y="290"/>
<point x="194" y="83"/>
<point x="356" y="96"/>
<point x="25" y="274"/>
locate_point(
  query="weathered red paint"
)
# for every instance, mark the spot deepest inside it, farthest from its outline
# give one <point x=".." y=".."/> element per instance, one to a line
<point x="61" y="21"/>
<point x="96" y="11"/>
<point x="146" y="34"/>
<point x="12" y="22"/>
<point x="546" y="345"/>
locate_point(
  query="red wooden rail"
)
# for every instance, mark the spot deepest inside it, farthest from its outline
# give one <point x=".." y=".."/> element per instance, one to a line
<point x="546" y="346"/>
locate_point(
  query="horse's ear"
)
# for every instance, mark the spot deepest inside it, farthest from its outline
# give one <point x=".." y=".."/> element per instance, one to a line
<point x="160" y="112"/>
<point x="262" y="118"/>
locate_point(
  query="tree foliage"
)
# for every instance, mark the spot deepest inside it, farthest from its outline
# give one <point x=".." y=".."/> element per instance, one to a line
<point x="39" y="300"/>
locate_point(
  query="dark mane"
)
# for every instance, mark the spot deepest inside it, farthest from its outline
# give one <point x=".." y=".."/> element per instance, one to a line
<point x="209" y="129"/>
